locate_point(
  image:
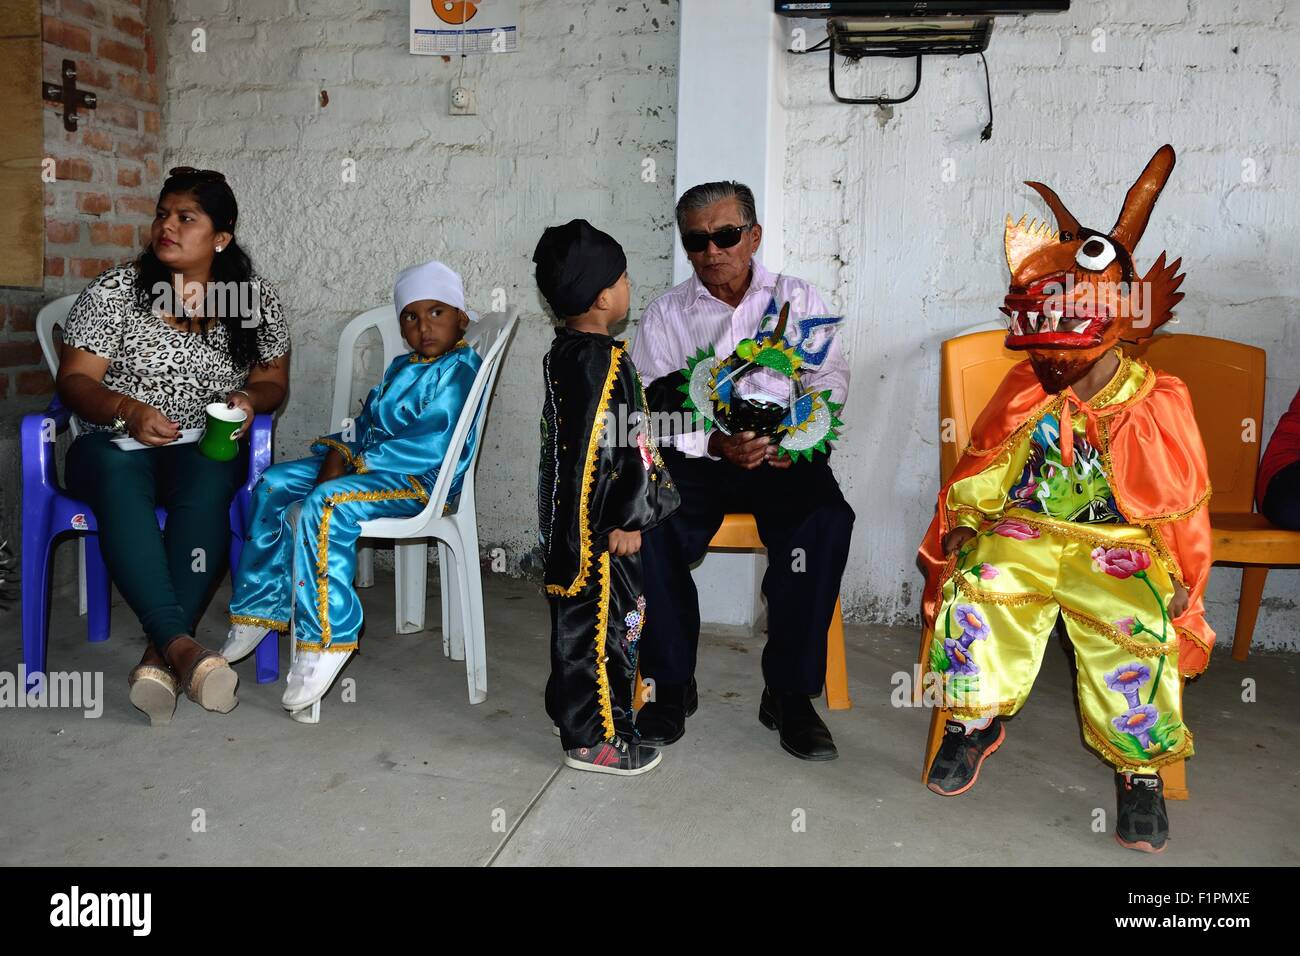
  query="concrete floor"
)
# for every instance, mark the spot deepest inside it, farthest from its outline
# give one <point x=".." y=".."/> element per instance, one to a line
<point x="412" y="774"/>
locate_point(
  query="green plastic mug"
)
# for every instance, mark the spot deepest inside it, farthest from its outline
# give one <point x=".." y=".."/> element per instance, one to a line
<point x="217" y="442"/>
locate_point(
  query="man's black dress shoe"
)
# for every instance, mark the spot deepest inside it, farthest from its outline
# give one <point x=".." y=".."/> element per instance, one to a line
<point x="662" y="721"/>
<point x="802" y="731"/>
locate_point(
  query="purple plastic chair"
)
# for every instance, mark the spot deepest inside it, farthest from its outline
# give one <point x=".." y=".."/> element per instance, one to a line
<point x="49" y="512"/>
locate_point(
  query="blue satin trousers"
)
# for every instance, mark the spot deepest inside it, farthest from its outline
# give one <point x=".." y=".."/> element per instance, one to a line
<point x="307" y="571"/>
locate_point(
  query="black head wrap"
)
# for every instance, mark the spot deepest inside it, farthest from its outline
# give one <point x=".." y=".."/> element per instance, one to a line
<point x="575" y="263"/>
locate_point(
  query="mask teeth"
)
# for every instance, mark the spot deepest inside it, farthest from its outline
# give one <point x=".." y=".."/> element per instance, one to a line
<point x="1034" y="322"/>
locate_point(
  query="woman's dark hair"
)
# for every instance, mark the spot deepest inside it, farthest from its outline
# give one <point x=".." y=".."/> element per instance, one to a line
<point x="231" y="265"/>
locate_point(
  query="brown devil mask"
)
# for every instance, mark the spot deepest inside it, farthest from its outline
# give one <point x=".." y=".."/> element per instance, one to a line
<point x="1074" y="293"/>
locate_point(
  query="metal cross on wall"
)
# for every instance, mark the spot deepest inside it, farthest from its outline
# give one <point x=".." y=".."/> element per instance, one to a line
<point x="69" y="96"/>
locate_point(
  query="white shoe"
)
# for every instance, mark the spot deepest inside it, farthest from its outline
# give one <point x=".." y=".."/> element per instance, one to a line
<point x="242" y="641"/>
<point x="310" y="677"/>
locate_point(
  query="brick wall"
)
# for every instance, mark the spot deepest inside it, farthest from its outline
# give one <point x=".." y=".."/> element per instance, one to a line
<point x="107" y="173"/>
<point x="98" y="209"/>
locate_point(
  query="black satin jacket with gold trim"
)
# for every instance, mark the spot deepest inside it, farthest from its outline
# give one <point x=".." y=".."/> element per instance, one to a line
<point x="600" y="467"/>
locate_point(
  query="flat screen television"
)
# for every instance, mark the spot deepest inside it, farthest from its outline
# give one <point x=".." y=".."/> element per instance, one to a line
<point x="917" y="8"/>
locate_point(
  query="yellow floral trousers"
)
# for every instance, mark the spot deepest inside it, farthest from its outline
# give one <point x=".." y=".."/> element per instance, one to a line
<point x="999" y="607"/>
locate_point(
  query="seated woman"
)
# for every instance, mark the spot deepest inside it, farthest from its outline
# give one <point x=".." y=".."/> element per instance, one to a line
<point x="142" y="361"/>
<point x="1278" y="491"/>
<point x="383" y="465"/>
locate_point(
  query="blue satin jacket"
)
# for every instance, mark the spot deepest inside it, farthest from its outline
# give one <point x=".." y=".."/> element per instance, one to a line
<point x="408" y="419"/>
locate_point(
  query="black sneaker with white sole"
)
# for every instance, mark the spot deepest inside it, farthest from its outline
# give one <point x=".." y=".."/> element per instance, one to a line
<point x="616" y="756"/>
<point x="1141" y="821"/>
<point x="956" y="766"/>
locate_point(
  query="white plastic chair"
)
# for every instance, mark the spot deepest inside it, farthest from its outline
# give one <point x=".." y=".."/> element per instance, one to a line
<point x="384" y="321"/>
<point x="456" y="531"/>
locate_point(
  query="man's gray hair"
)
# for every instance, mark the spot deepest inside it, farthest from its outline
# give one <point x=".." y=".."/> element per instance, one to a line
<point x="706" y="194"/>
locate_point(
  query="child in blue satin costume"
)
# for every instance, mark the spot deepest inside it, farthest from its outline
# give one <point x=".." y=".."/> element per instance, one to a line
<point x="383" y="466"/>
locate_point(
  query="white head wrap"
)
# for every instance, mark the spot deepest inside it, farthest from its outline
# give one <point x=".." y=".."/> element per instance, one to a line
<point x="430" y="280"/>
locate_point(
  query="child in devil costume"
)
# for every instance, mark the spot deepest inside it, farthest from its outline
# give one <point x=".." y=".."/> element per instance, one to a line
<point x="601" y="483"/>
<point x="1083" y="492"/>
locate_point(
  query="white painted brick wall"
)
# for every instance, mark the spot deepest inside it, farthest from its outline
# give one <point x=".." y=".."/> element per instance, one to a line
<point x="562" y="128"/>
<point x="565" y="123"/>
<point x="914" y="260"/>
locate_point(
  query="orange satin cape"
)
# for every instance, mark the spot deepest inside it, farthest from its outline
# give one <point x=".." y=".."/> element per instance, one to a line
<point x="1157" y="469"/>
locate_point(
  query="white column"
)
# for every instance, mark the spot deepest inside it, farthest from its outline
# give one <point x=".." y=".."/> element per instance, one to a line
<point x="730" y="117"/>
<point x="731" y="125"/>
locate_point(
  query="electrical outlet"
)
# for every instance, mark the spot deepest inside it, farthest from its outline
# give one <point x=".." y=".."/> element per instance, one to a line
<point x="462" y="101"/>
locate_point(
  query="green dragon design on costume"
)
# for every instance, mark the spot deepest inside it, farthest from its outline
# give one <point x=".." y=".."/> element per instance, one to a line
<point x="1075" y="492"/>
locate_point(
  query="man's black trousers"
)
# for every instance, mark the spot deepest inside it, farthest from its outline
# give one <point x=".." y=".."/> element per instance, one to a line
<point x="804" y="523"/>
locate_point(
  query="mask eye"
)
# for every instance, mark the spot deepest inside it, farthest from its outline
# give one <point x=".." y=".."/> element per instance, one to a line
<point x="1095" y="254"/>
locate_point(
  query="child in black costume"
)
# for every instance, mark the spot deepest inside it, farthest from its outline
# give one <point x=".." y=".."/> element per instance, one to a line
<point x="601" y="483"/>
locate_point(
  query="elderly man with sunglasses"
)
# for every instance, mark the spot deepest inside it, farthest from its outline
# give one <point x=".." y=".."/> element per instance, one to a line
<point x="802" y="517"/>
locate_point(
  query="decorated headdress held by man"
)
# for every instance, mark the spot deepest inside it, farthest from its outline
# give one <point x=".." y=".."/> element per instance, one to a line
<point x="800" y="421"/>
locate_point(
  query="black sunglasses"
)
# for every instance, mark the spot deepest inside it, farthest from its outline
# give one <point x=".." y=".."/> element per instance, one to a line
<point x="723" y="238"/>
<point x="193" y="173"/>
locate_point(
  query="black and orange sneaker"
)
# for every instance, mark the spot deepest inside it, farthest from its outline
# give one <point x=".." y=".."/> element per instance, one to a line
<point x="957" y="765"/>
<point x="616" y="756"/>
<point x="1141" y="821"/>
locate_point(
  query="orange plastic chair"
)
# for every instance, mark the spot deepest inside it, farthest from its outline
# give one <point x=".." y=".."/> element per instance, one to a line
<point x="971" y="368"/>
<point x="1227" y="382"/>
<point x="740" y="533"/>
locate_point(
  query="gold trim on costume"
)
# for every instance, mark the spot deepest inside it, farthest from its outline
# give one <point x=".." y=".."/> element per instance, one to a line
<point x="1117" y="382"/>
<point x="1185" y="513"/>
<point x="1103" y="746"/>
<point x="1196" y="639"/>
<point x="1008" y="443"/>
<point x="1006" y="447"/>
<point x="324" y="649"/>
<point x="1014" y="599"/>
<point x="1130" y="513"/>
<point x="1120" y="639"/>
<point x="269" y="623"/>
<point x="1151" y="523"/>
<point x="418" y="359"/>
<point x="649" y="435"/>
<point x="1002" y="708"/>
<point x="588" y="476"/>
<point x="1166" y="555"/>
<point x="974" y="512"/>
<point x="602" y="624"/>
<point x="339" y="447"/>
<point x="1076" y="530"/>
<point x="323" y="544"/>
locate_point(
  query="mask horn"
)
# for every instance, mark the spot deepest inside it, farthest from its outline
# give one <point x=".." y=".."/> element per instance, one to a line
<point x="1141" y="199"/>
<point x="1065" y="221"/>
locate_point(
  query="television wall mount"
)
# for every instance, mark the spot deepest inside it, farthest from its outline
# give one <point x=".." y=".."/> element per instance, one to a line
<point x="902" y="29"/>
<point x="861" y="39"/>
